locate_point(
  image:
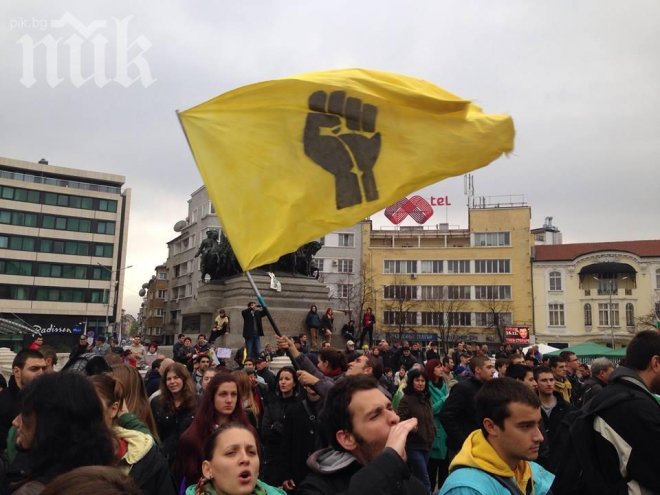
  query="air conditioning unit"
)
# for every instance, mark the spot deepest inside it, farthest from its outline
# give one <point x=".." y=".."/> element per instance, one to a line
<point x="334" y="262"/>
<point x="413" y="276"/>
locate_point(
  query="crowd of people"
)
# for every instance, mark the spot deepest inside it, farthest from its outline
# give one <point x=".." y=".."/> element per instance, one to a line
<point x="404" y="418"/>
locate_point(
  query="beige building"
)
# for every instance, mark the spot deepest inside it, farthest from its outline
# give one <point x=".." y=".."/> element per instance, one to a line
<point x="63" y="235"/>
<point x="445" y="283"/>
<point x="602" y="292"/>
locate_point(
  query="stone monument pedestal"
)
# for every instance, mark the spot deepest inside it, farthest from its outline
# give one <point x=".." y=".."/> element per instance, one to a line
<point x="289" y="307"/>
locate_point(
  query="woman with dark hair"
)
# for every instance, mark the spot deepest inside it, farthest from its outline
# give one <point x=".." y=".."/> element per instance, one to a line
<point x="416" y="403"/>
<point x="220" y="404"/>
<point x="313" y="323"/>
<point x="135" y="396"/>
<point x="438" y="464"/>
<point x="272" y="429"/>
<point x="99" y="480"/>
<point x="368" y="321"/>
<point x="327" y="325"/>
<point x="231" y="464"/>
<point x="174" y="408"/>
<point x="61" y="426"/>
<point x="135" y="449"/>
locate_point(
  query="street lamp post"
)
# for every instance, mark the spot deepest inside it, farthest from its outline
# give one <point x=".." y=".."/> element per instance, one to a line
<point x="110" y="288"/>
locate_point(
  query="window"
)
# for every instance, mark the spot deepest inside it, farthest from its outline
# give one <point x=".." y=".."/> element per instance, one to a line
<point x="159" y="312"/>
<point x="607" y="284"/>
<point x="630" y="315"/>
<point x="108" y="205"/>
<point x="458" y="292"/>
<point x="460" y="319"/>
<point x="103" y="250"/>
<point x="431" y="266"/>
<point x="7" y="193"/>
<point x="105" y="228"/>
<point x="162" y="275"/>
<point x="20" y="218"/>
<point x="608" y="314"/>
<point x="344" y="290"/>
<point x="587" y="315"/>
<point x="491" y="292"/>
<point x="556" y="315"/>
<point x="15" y="267"/>
<point x="489" y="319"/>
<point x="492" y="239"/>
<point x="657" y="278"/>
<point x="458" y="266"/>
<point x="400" y="317"/>
<point x="4" y="241"/>
<point x="345" y="266"/>
<point x="400" y="266"/>
<point x="555" y="280"/>
<point x="433" y="318"/>
<point x="432" y="292"/>
<point x="400" y="292"/>
<point x="161" y="294"/>
<point x="492" y="266"/>
<point x="346" y="240"/>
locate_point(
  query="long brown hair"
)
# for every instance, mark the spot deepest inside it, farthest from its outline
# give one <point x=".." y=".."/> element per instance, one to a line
<point x="188" y="397"/>
<point x="135" y="395"/>
<point x="246" y="394"/>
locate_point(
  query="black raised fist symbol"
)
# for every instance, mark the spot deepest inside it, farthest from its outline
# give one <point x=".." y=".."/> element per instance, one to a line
<point x="344" y="150"/>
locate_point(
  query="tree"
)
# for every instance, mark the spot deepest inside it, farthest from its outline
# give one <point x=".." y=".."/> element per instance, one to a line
<point x="359" y="294"/>
<point x="498" y="306"/>
<point x="444" y="317"/>
<point x="400" y="298"/>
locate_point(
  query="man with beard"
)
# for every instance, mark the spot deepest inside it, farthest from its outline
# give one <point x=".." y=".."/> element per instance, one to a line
<point x="368" y="452"/>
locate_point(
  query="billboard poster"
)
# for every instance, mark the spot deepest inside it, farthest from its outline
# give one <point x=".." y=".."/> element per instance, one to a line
<point x="516" y="335"/>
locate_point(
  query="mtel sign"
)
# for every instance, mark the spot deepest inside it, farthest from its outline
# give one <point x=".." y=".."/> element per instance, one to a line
<point x="417" y="207"/>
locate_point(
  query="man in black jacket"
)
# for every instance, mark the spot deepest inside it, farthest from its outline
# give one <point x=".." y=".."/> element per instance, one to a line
<point x="601" y="369"/>
<point x="27" y="365"/>
<point x="252" y="328"/>
<point x="553" y="411"/>
<point x="459" y="414"/>
<point x="627" y="434"/>
<point x="368" y="453"/>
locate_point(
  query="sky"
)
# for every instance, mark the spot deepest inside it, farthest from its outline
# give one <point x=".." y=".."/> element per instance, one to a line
<point x="579" y="77"/>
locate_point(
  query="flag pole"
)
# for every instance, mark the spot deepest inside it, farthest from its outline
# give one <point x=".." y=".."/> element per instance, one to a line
<point x="268" y="315"/>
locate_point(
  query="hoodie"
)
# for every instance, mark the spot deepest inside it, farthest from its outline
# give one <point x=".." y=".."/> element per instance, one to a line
<point x="477" y="468"/>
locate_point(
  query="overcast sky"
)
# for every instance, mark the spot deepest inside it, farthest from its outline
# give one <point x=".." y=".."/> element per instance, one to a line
<point x="581" y="79"/>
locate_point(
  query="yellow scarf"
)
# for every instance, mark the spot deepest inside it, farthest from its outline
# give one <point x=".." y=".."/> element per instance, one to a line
<point x="564" y="389"/>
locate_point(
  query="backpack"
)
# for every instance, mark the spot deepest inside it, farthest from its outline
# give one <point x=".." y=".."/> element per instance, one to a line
<point x="578" y="471"/>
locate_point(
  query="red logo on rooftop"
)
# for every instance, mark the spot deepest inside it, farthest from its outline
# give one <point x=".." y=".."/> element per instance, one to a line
<point x="417" y="207"/>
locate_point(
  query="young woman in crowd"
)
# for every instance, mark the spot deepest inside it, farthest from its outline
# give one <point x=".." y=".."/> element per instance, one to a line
<point x="136" y="451"/>
<point x="313" y="323"/>
<point x="231" y="464"/>
<point x="416" y="403"/>
<point x="221" y="404"/>
<point x="135" y="396"/>
<point x="60" y="427"/>
<point x="174" y="408"/>
<point x="272" y="429"/>
<point x="438" y="465"/>
<point x="327" y="325"/>
<point x="251" y="405"/>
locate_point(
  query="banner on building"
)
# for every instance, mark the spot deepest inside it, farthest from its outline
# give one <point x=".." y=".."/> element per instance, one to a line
<point x="516" y="335"/>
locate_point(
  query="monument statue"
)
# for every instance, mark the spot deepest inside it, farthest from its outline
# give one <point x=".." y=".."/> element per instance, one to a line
<point x="219" y="261"/>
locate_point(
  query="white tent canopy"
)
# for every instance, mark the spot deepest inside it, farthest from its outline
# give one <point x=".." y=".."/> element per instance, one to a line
<point x="543" y="348"/>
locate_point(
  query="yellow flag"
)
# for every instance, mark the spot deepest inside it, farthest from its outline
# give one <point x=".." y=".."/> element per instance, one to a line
<point x="287" y="161"/>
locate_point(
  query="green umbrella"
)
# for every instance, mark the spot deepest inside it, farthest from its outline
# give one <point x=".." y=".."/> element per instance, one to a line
<point x="591" y="349"/>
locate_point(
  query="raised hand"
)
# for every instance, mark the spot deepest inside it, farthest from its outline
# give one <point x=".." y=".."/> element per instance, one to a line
<point x="340" y="137"/>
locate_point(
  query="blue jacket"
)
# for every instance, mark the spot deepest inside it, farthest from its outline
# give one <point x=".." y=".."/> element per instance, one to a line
<point x="472" y="481"/>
